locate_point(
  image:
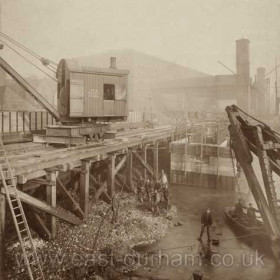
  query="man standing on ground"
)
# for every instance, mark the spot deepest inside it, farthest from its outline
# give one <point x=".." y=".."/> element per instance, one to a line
<point x="206" y="221"/>
<point x="148" y="187"/>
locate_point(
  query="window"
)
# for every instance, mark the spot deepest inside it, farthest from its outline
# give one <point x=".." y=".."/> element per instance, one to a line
<point x="109" y="92"/>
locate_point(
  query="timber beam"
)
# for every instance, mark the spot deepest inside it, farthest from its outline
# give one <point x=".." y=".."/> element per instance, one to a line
<point x="84" y="188"/>
<point x="145" y="164"/>
<point x="120" y="164"/>
<point x="111" y="175"/>
<point x="61" y="167"/>
<point x="129" y="166"/>
<point x="155" y="159"/>
<point x="45" y="207"/>
<point x="122" y="182"/>
<point x="51" y="199"/>
<point x="102" y="191"/>
<point x="67" y="195"/>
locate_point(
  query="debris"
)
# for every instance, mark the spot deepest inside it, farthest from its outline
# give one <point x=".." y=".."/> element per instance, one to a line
<point x="215" y="241"/>
<point x="75" y="253"/>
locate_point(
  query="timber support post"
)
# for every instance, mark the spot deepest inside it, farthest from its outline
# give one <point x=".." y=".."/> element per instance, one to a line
<point x="84" y="187"/>
<point x="111" y="175"/>
<point x="2" y="234"/>
<point x="129" y="167"/>
<point x="155" y="159"/>
<point x="145" y="159"/>
<point x="51" y="199"/>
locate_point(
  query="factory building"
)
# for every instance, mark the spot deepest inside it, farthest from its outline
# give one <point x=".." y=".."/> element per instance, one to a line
<point x="145" y="73"/>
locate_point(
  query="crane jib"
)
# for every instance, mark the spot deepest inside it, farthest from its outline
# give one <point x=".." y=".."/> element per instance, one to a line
<point x="29" y="89"/>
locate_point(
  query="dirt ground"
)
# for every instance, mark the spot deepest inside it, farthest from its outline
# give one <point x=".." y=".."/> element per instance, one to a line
<point x="98" y="247"/>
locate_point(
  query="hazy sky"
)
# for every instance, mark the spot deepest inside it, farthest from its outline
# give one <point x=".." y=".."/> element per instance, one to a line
<point x="195" y="33"/>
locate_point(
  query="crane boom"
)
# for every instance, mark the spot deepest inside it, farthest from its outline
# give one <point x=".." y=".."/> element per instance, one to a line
<point x="27" y="87"/>
<point x="249" y="135"/>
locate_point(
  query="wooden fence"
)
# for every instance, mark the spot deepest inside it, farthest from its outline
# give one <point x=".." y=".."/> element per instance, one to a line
<point x="15" y="125"/>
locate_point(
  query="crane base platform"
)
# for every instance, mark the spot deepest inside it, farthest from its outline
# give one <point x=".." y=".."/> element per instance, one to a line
<point x="74" y="134"/>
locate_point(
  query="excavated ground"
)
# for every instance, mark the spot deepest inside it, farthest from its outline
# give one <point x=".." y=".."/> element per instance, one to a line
<point x="97" y="248"/>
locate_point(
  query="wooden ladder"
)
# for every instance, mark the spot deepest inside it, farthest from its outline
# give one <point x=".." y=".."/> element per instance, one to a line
<point x="31" y="259"/>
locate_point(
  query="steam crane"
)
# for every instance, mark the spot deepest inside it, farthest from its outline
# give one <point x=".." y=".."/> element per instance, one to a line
<point x="89" y="99"/>
<point x="249" y="137"/>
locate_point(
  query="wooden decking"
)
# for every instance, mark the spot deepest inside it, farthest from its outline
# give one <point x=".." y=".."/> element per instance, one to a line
<point x="30" y="160"/>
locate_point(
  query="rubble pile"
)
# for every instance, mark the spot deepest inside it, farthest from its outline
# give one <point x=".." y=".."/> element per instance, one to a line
<point x="98" y="247"/>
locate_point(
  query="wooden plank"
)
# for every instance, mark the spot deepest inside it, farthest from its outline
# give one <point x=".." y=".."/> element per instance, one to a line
<point x="68" y="196"/>
<point x="45" y="207"/>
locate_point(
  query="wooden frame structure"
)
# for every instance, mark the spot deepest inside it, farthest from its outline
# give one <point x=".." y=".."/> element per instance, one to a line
<point x="53" y="169"/>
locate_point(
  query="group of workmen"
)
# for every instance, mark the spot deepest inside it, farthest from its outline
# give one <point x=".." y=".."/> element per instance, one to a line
<point x="251" y="213"/>
<point x="154" y="191"/>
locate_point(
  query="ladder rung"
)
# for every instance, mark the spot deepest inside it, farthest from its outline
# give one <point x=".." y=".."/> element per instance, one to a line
<point x="16" y="207"/>
<point x="18" y="215"/>
<point x="23" y="230"/>
<point x="20" y="223"/>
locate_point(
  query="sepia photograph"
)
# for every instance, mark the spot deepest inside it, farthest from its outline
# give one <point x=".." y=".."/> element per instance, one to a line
<point x="139" y="140"/>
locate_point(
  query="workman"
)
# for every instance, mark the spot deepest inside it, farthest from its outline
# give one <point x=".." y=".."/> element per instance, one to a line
<point x="251" y="214"/>
<point x="148" y="187"/>
<point x="155" y="202"/>
<point x="157" y="185"/>
<point x="239" y="210"/>
<point x="164" y="178"/>
<point x="165" y="192"/>
<point x="140" y="185"/>
<point x="206" y="221"/>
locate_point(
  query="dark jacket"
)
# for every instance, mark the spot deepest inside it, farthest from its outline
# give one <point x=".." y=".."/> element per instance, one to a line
<point x="206" y="219"/>
<point x="238" y="208"/>
<point x="251" y="212"/>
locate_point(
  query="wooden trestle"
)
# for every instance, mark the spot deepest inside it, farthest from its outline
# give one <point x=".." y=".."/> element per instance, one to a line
<point x="53" y="168"/>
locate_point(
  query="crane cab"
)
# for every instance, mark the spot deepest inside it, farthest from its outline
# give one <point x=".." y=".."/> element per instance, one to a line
<point x="89" y="93"/>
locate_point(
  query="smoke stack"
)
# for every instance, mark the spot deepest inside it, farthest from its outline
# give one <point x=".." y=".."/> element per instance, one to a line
<point x="113" y="62"/>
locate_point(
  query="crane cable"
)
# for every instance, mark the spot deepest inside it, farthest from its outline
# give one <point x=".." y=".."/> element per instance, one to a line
<point x="46" y="62"/>
<point x="264" y="124"/>
<point x="25" y="48"/>
<point x="194" y="245"/>
<point x="29" y="61"/>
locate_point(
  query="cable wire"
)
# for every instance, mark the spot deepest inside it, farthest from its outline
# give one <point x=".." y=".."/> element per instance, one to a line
<point x="193" y="245"/>
<point x="28" y="60"/>
<point x="26" y="49"/>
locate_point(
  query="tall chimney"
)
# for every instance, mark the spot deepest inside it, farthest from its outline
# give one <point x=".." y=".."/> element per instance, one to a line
<point x="113" y="62"/>
<point x="243" y="74"/>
